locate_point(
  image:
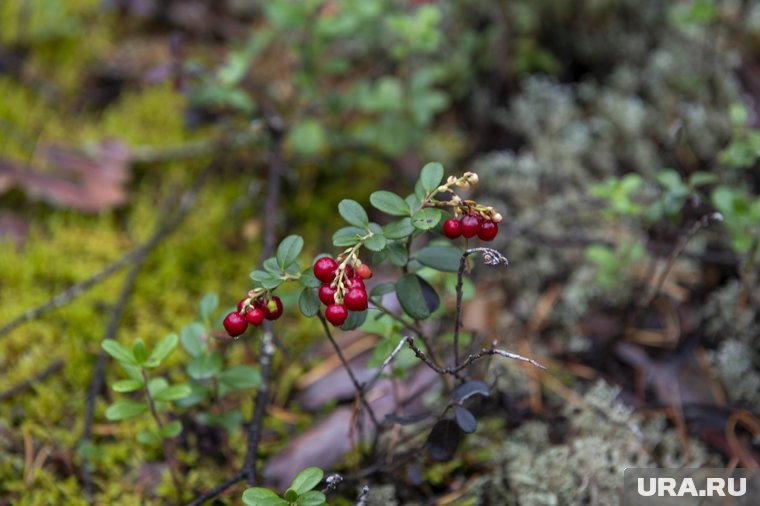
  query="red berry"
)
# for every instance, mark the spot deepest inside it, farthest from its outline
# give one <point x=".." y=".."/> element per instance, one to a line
<point x="241" y="304"/>
<point x="327" y="294"/>
<point x="488" y="230"/>
<point x="255" y="316"/>
<point x="469" y="225"/>
<point x="349" y="272"/>
<point x="324" y="269"/>
<point x="336" y="314"/>
<point x="357" y="283"/>
<point x="272" y="309"/>
<point x="363" y="271"/>
<point x="451" y="228"/>
<point x="235" y="324"/>
<point x="356" y="299"/>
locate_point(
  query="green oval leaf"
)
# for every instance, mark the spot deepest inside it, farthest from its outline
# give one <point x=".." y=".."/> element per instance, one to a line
<point x="173" y="393"/>
<point x="171" y="429"/>
<point x="164" y="348"/>
<point x="308" y="302"/>
<point x="431" y="175"/>
<point x="207" y="305"/>
<point x="355" y="320"/>
<point x="426" y="218"/>
<point x="191" y="339"/>
<point x="290" y="495"/>
<point x="118" y="352"/>
<point x="348" y="236"/>
<point x="241" y="376"/>
<point x="376" y="242"/>
<point x="311" y="498"/>
<point x="389" y="203"/>
<point x="288" y="250"/>
<point x="259" y="496"/>
<point x="442" y="258"/>
<point x="307" y="479"/>
<point x="127" y="385"/>
<point x="125" y="409"/>
<point x="204" y="366"/>
<point x="400" y="229"/>
<point x="139" y="351"/>
<point x="353" y="213"/>
<point x="416" y="296"/>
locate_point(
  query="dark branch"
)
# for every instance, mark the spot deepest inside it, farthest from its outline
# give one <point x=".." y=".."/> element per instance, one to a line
<point x="22" y="386"/>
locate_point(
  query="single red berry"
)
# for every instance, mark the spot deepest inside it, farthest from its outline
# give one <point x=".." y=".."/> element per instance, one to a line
<point x="488" y="231"/>
<point x="324" y="269"/>
<point x="363" y="271"/>
<point x="349" y="272"/>
<point x="357" y="283"/>
<point x="327" y="294"/>
<point x="336" y="314"/>
<point x="255" y="316"/>
<point x="469" y="225"/>
<point x="356" y="299"/>
<point x="235" y="324"/>
<point x="272" y="309"/>
<point x="241" y="304"/>
<point x="451" y="228"/>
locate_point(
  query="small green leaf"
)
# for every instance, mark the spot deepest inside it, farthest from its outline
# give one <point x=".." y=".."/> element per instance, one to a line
<point x="241" y="376"/>
<point x="442" y="258"/>
<point x="382" y="289"/>
<point x="348" y="236"/>
<point x="308" y="280"/>
<point x="426" y="218"/>
<point x="288" y="250"/>
<point x="208" y="305"/>
<point x="259" y="496"/>
<point x="353" y="213"/>
<point x="272" y="267"/>
<point x="290" y="495"/>
<point x="125" y="409"/>
<point x="400" y="229"/>
<point x="139" y="351"/>
<point x="118" y="352"/>
<point x="397" y="253"/>
<point x="376" y="242"/>
<point x="311" y="498"/>
<point x="431" y="176"/>
<point x="389" y="203"/>
<point x="147" y="437"/>
<point x="164" y="348"/>
<point x="307" y="479"/>
<point x="702" y="178"/>
<point x="267" y="279"/>
<point x="205" y="366"/>
<point x="127" y="385"/>
<point x="355" y="320"/>
<point x="307" y="137"/>
<point x="191" y="338"/>
<point x="173" y="393"/>
<point x="308" y="302"/>
<point x="416" y="296"/>
<point x="171" y="429"/>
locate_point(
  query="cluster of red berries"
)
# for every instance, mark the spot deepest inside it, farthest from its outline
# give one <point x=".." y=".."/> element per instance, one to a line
<point x="252" y="311"/>
<point x="351" y="289"/>
<point x="471" y="225"/>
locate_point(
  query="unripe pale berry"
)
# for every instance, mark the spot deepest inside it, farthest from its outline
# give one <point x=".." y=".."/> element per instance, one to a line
<point x="273" y="309"/>
<point x="356" y="299"/>
<point x="324" y="269"/>
<point x="363" y="271"/>
<point x="235" y="324"/>
<point x="336" y="314"/>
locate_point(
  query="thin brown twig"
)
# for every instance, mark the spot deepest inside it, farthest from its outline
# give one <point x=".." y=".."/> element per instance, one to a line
<point x="357" y="386"/>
